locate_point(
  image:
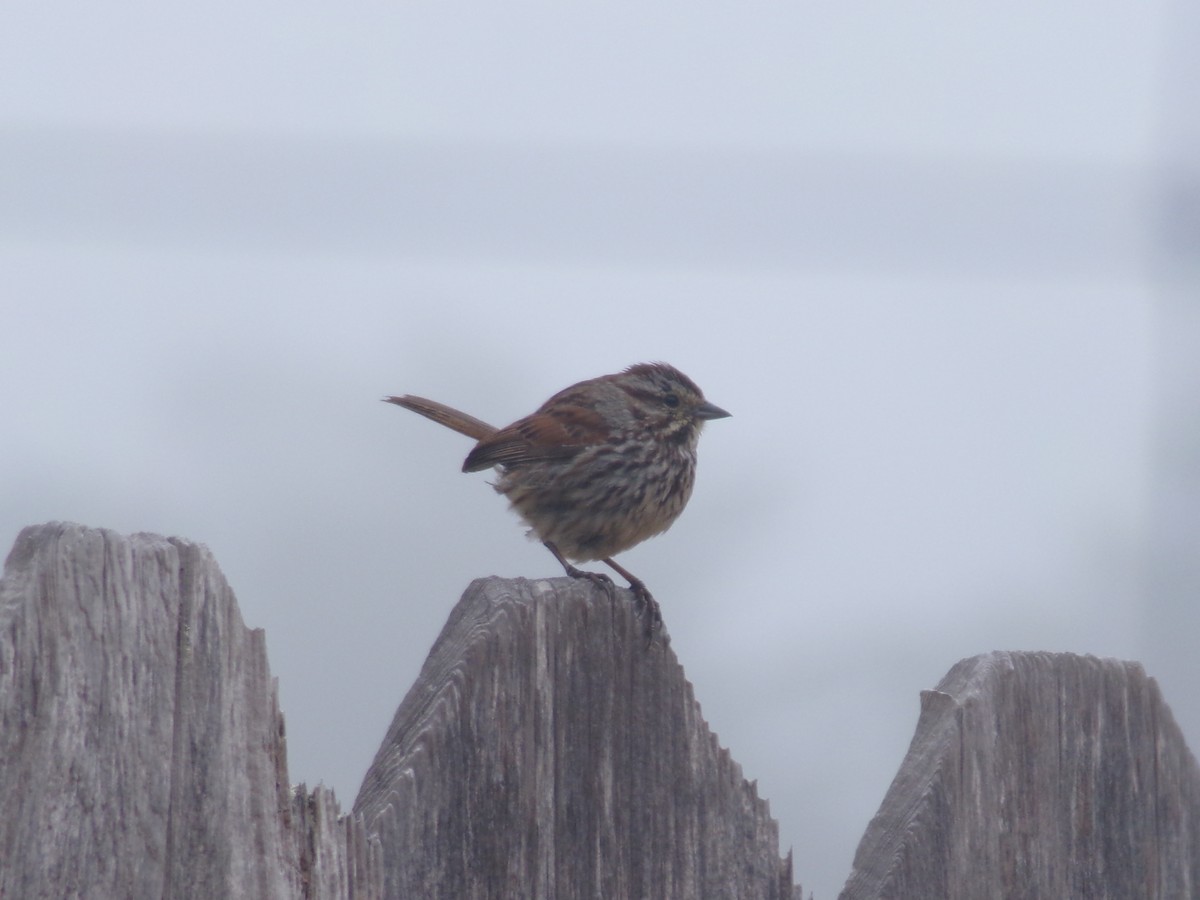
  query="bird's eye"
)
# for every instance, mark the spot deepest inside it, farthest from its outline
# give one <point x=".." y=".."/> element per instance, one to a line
<point x="672" y="400"/>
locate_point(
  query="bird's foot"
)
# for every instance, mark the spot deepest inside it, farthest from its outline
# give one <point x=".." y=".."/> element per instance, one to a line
<point x="644" y="603"/>
<point x="647" y="607"/>
<point x="597" y="578"/>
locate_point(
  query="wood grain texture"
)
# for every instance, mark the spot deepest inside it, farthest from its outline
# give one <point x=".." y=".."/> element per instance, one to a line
<point x="142" y="750"/>
<point x="544" y="752"/>
<point x="1036" y="775"/>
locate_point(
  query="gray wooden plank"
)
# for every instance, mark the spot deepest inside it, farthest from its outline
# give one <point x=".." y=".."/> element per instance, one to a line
<point x="545" y="752"/>
<point x="337" y="858"/>
<point x="1037" y="775"/>
<point x="142" y="749"/>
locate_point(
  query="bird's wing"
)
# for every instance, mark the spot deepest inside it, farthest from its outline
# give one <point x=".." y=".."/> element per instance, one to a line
<point x="559" y="433"/>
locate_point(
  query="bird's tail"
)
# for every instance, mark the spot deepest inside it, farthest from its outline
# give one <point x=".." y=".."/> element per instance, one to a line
<point x="445" y="415"/>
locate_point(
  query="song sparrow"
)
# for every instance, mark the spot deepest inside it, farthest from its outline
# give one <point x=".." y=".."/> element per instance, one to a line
<point x="600" y="467"/>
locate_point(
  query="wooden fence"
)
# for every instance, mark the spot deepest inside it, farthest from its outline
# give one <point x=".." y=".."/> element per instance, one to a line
<point x="542" y="753"/>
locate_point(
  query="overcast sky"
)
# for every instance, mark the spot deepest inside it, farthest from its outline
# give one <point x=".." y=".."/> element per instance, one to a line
<point x="909" y="246"/>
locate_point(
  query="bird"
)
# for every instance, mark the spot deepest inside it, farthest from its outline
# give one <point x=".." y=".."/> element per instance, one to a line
<point x="598" y="468"/>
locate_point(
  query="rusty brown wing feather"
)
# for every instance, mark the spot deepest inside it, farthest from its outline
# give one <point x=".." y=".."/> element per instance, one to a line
<point x="547" y="434"/>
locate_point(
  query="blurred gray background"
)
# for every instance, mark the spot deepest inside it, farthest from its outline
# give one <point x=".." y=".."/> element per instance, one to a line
<point x="940" y="262"/>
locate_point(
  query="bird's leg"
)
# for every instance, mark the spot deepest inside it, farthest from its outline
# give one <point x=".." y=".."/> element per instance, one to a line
<point x="598" y="578"/>
<point x="646" y="604"/>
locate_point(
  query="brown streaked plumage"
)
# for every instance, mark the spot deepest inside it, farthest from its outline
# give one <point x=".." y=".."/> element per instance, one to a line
<point x="598" y="468"/>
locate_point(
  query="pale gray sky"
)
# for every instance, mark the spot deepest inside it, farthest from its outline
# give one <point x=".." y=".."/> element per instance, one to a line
<point x="905" y="245"/>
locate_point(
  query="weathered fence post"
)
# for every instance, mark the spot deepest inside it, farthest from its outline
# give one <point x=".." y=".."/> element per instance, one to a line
<point x="545" y="752"/>
<point x="141" y="746"/>
<point x="1038" y="775"/>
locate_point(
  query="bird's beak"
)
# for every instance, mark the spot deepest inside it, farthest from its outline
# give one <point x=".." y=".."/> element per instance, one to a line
<point x="709" y="411"/>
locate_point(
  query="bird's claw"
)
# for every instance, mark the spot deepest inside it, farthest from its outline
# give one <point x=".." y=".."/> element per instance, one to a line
<point x="596" y="578"/>
<point x="649" y="610"/>
<point x="644" y="604"/>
